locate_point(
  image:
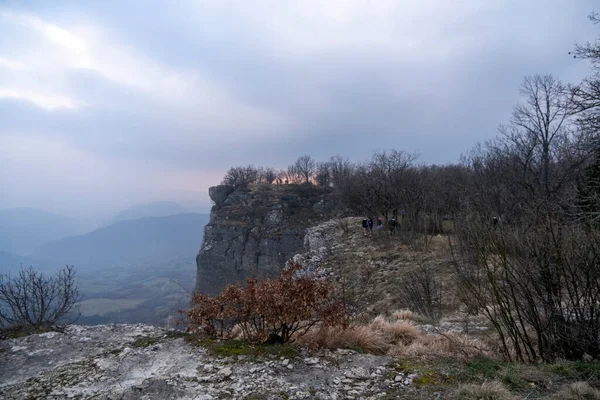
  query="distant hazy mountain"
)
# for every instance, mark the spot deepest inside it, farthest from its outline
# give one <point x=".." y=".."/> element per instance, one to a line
<point x="129" y="242"/>
<point x="24" y="229"/>
<point x="156" y="209"/>
<point x="10" y="262"/>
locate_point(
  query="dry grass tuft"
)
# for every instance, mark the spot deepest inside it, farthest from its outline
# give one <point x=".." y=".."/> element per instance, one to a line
<point x="378" y="322"/>
<point x="400" y="332"/>
<point x="362" y="338"/>
<point x="442" y="345"/>
<point x="487" y="391"/>
<point x="578" y="391"/>
<point x="397" y="338"/>
<point x="405" y="315"/>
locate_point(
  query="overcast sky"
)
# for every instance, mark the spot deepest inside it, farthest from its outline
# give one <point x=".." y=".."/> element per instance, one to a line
<point x="104" y="104"/>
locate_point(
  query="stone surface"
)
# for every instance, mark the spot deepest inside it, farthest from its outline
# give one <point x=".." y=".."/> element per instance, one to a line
<point x="254" y="231"/>
<point x="219" y="193"/>
<point x="106" y="365"/>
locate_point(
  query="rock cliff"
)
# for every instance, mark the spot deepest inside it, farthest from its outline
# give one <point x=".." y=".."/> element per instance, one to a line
<point x="253" y="231"/>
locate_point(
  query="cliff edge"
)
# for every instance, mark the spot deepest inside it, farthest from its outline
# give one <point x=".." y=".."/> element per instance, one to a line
<point x="253" y="231"/>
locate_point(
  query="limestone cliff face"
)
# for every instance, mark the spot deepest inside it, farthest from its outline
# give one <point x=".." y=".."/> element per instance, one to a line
<point x="254" y="231"/>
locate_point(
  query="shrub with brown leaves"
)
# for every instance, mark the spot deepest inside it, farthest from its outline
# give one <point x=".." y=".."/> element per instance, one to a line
<point x="285" y="306"/>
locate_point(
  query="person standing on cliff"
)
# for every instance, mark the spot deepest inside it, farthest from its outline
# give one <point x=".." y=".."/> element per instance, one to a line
<point x="379" y="225"/>
<point x="370" y="223"/>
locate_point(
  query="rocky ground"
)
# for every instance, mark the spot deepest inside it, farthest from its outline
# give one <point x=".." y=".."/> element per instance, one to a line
<point x="145" y="362"/>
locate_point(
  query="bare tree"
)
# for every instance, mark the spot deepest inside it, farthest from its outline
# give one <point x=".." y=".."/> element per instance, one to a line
<point x="341" y="169"/>
<point x="241" y="176"/>
<point x="33" y="300"/>
<point x="587" y="94"/>
<point x="588" y="193"/>
<point x="268" y="175"/>
<point x="293" y="175"/>
<point x="536" y="277"/>
<point x="323" y="174"/>
<point x="306" y="167"/>
<point x="538" y="124"/>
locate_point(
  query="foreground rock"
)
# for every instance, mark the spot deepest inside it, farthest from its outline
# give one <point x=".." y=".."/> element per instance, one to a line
<point x="105" y="362"/>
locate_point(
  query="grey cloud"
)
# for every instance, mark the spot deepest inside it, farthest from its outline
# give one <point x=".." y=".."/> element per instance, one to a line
<point x="348" y="99"/>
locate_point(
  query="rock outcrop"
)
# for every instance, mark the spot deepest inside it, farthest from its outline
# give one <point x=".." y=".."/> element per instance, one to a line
<point x="254" y="231"/>
<point x="143" y="362"/>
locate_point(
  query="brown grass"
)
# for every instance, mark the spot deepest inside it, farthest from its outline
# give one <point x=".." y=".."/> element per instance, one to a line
<point x="357" y="337"/>
<point x="406" y="315"/>
<point x="577" y="391"/>
<point x="487" y="391"/>
<point x="457" y="346"/>
<point x="400" y="332"/>
<point x="396" y="338"/>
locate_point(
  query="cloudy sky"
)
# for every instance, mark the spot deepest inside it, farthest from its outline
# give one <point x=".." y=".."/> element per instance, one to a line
<point x="104" y="104"/>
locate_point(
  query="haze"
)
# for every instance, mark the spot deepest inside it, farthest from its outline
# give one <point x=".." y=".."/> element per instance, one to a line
<point x="112" y="103"/>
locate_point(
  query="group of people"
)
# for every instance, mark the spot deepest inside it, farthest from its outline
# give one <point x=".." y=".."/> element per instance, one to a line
<point x="367" y="224"/>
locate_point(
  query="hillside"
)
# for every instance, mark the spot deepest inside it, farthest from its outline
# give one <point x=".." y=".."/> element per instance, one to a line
<point x="145" y="239"/>
<point x="24" y="229"/>
<point x="155" y="209"/>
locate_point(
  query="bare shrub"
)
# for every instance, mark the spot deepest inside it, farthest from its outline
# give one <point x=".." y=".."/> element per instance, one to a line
<point x="577" y="391"/>
<point x="33" y="300"/>
<point x="421" y="291"/>
<point x="287" y="306"/>
<point x="538" y="285"/>
<point x="487" y="391"/>
<point x="343" y="224"/>
<point x="352" y="281"/>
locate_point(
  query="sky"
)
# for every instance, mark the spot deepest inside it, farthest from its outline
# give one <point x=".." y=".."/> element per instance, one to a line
<point x="105" y="104"/>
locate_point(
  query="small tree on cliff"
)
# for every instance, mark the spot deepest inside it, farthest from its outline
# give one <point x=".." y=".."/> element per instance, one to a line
<point x="241" y="176"/>
<point x="305" y="166"/>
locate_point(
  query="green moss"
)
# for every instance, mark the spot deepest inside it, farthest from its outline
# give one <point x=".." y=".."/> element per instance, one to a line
<point x="357" y="349"/>
<point x="284" y="396"/>
<point x="22" y="331"/>
<point x="256" y="396"/>
<point x="176" y="335"/>
<point x="401" y="366"/>
<point x="422" y="380"/>
<point x="145" y="341"/>
<point x="236" y="348"/>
